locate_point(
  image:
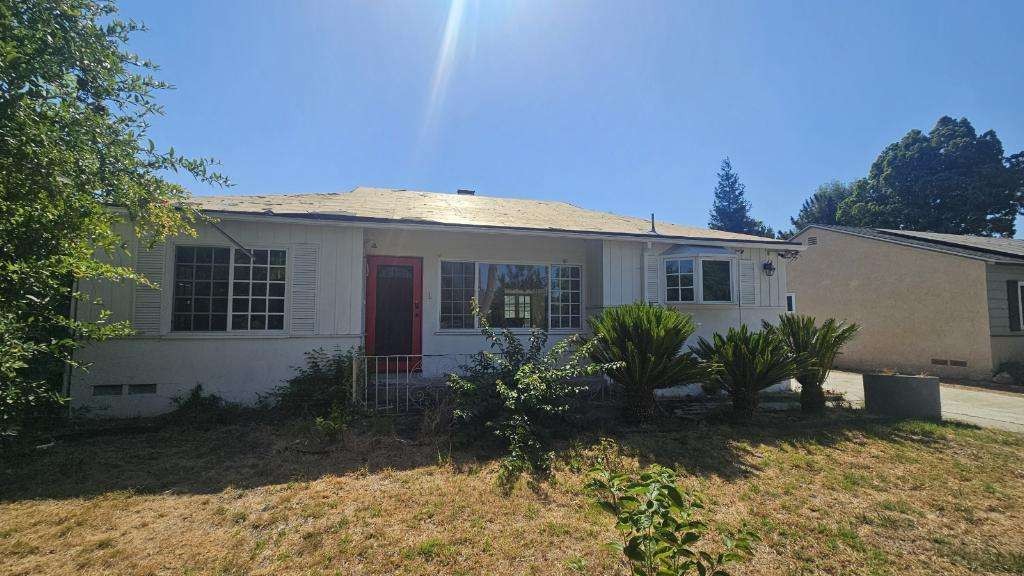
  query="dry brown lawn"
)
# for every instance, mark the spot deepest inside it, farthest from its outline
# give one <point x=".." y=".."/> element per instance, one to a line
<point x="841" y="494"/>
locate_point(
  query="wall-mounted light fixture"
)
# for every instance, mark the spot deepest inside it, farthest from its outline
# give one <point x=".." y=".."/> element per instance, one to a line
<point x="769" y="268"/>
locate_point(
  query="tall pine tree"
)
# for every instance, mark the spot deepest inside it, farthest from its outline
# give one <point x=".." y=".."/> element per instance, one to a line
<point x="731" y="210"/>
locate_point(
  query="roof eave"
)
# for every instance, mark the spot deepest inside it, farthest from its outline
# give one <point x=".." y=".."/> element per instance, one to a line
<point x="400" y="223"/>
<point x="940" y="248"/>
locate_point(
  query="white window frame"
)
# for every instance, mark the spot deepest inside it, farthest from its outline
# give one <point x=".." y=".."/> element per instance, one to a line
<point x="169" y="298"/>
<point x="476" y="293"/>
<point x="664" y="279"/>
<point x="698" y="278"/>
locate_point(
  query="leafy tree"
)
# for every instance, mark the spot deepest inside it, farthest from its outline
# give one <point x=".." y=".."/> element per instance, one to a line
<point x="950" y="180"/>
<point x="819" y="345"/>
<point x="821" y="207"/>
<point x="642" y="345"/>
<point x="74" y="110"/>
<point x="730" y="210"/>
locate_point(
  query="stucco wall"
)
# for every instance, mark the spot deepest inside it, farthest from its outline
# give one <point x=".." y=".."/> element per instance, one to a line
<point x="913" y="305"/>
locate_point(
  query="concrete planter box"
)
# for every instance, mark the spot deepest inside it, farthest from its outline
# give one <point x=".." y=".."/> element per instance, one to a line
<point x="903" y="396"/>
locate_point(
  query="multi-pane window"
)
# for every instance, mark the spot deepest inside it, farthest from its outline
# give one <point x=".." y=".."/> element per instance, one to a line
<point x="257" y="298"/>
<point x="211" y="284"/>
<point x="201" y="275"/>
<point x="716" y="280"/>
<point x="458" y="286"/>
<point x="511" y="295"/>
<point x="683" y="275"/>
<point x="565" y="296"/>
<point x="679" y="280"/>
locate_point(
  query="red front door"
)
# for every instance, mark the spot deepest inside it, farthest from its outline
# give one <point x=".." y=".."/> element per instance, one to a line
<point x="394" y="306"/>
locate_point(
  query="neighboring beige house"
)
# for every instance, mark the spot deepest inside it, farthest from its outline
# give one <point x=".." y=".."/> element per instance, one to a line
<point x="394" y="271"/>
<point x="932" y="303"/>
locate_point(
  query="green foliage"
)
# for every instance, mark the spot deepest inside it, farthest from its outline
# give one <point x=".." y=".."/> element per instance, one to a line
<point x="731" y="209"/>
<point x="1013" y="368"/>
<point x="76" y="167"/>
<point x="642" y="346"/>
<point x="198" y="409"/>
<point x="518" y="391"/>
<point x="950" y="180"/>
<point x="743" y="363"/>
<point x="335" y="422"/>
<point x="819" y="346"/>
<point x="659" y="525"/>
<point x="321" y="388"/>
<point x="821" y="207"/>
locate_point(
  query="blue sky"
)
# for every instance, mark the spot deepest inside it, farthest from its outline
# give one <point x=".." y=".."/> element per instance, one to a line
<point x="620" y="106"/>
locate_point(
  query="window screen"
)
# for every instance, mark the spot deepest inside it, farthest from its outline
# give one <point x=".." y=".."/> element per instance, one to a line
<point x="211" y="283"/>
<point x="201" y="288"/>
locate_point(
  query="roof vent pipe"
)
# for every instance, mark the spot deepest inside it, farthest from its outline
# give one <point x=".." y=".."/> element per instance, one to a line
<point x="653" y="230"/>
<point x="464" y="192"/>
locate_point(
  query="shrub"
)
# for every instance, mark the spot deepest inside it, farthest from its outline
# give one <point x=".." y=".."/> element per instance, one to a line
<point x="643" y="345"/>
<point x="320" y="389"/>
<point x="1013" y="368"/>
<point x="743" y="363"/>
<point x="196" y="408"/>
<point x="818" y="347"/>
<point x="659" y="526"/>
<point x="517" y="392"/>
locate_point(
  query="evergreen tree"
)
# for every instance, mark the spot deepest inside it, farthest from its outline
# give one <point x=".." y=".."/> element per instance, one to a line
<point x="820" y="208"/>
<point x="950" y="180"/>
<point x="731" y="209"/>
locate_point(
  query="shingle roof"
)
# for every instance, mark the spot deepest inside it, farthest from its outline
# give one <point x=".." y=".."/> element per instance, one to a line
<point x="959" y="245"/>
<point x="1005" y="246"/>
<point x="390" y="205"/>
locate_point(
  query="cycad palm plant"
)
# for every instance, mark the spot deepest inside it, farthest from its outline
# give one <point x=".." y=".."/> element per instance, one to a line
<point x="743" y="363"/>
<point x="820" y="345"/>
<point x="643" y="347"/>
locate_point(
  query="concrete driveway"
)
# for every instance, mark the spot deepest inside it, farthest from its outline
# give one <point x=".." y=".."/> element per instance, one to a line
<point x="988" y="408"/>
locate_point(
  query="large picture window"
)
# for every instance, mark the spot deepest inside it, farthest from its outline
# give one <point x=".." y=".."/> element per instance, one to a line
<point x="511" y="295"/>
<point x="524" y="285"/>
<point x="213" y="285"/>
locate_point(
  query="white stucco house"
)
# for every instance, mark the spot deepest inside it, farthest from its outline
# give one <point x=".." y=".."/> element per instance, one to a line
<point x="394" y="271"/>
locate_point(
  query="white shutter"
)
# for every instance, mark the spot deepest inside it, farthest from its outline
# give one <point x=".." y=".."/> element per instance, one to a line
<point x="147" y="314"/>
<point x="748" y="290"/>
<point x="652" y="278"/>
<point x="304" y="264"/>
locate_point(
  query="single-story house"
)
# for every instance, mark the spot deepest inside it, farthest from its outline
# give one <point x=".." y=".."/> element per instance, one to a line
<point x="941" y="304"/>
<point x="394" y="271"/>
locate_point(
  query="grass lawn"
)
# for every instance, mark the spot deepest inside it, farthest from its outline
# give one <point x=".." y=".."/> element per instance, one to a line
<point x="840" y="494"/>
